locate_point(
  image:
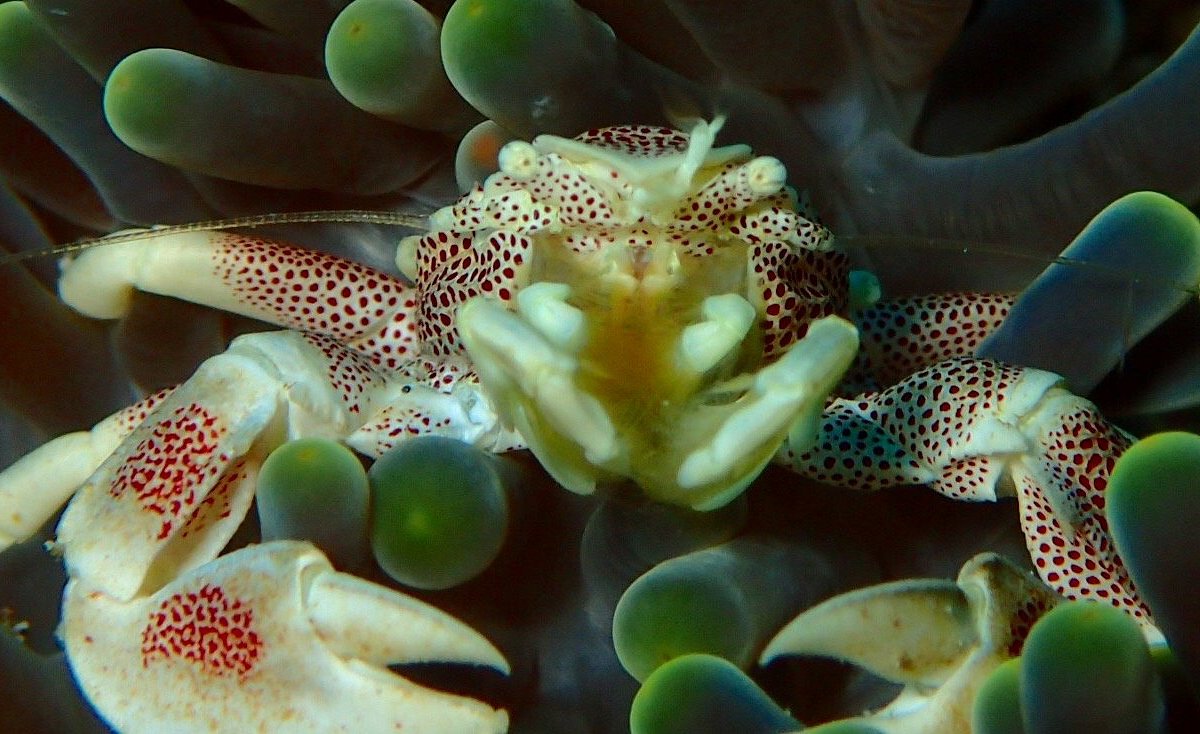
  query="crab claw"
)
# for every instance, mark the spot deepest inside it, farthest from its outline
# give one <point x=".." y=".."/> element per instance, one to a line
<point x="38" y="484"/>
<point x="940" y="639"/>
<point x="268" y="634"/>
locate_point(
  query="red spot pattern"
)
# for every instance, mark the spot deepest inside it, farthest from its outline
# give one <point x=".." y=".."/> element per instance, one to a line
<point x="905" y="434"/>
<point x="130" y="418"/>
<point x="900" y="336"/>
<point x="794" y="287"/>
<point x="559" y="184"/>
<point x="502" y="204"/>
<point x="313" y="291"/>
<point x="168" y="470"/>
<point x="442" y="374"/>
<point x="452" y="269"/>
<point x="399" y="422"/>
<point x="1068" y="538"/>
<point x="590" y="241"/>
<point x="972" y="479"/>
<point x="218" y="503"/>
<point x="716" y="202"/>
<point x="350" y="373"/>
<point x="206" y="627"/>
<point x="777" y="222"/>
<point x="1031" y="609"/>
<point x="638" y="140"/>
<point x="854" y="451"/>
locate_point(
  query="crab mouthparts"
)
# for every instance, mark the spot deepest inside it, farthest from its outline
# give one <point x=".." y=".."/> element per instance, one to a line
<point x="643" y="383"/>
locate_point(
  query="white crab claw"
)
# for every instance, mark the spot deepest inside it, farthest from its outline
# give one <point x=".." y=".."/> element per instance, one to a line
<point x="726" y="320"/>
<point x="266" y="637"/>
<point x="788" y="395"/>
<point x="940" y="639"/>
<point x="519" y="362"/>
<point x="178" y="485"/>
<point x="39" y="483"/>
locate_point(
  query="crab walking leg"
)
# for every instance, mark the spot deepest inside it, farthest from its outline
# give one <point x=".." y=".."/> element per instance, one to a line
<point x="34" y="487"/>
<point x="975" y="430"/>
<point x="902" y="335"/>
<point x="363" y="308"/>
<point x="265" y="635"/>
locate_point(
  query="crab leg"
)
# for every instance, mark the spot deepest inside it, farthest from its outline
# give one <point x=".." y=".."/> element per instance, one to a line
<point x="363" y="308"/>
<point x="976" y="430"/>
<point x="39" y="483"/>
<point x="902" y="335"/>
<point x="269" y="634"/>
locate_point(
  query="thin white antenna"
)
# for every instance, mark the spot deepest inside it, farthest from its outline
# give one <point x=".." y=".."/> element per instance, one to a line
<point x="345" y="216"/>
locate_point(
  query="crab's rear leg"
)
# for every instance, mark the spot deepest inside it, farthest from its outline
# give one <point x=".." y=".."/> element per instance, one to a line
<point x="902" y="335"/>
<point x="976" y="430"/>
<point x="360" y="307"/>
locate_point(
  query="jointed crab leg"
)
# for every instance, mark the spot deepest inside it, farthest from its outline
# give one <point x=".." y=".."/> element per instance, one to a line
<point x="902" y="335"/>
<point x="364" y="309"/>
<point x="975" y="430"/>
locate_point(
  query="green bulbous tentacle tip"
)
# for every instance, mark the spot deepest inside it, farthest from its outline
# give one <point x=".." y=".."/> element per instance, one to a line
<point x="1153" y="507"/>
<point x="478" y="36"/>
<point x="1086" y="667"/>
<point x="997" y="707"/>
<point x="384" y="57"/>
<point x="315" y="489"/>
<point x="725" y="600"/>
<point x="1164" y="224"/>
<point x="146" y="99"/>
<point x="534" y="65"/>
<point x="20" y="33"/>
<point x="664" y="615"/>
<point x="702" y="693"/>
<point x="440" y="511"/>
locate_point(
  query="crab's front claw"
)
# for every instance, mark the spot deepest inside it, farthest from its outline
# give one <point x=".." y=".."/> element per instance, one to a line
<point x="38" y="484"/>
<point x="175" y="489"/>
<point x="940" y="639"/>
<point x="664" y="406"/>
<point x="269" y="634"/>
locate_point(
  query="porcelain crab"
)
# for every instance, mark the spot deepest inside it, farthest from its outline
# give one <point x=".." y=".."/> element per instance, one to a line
<point x="634" y="303"/>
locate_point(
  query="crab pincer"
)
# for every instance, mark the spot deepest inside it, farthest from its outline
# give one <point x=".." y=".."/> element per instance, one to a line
<point x="265" y="635"/>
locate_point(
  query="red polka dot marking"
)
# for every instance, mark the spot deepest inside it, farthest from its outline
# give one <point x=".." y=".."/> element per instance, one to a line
<point x="208" y="628"/>
<point x="166" y="470"/>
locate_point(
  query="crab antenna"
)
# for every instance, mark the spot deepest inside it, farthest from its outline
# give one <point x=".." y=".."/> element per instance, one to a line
<point x="347" y="216"/>
<point x="964" y="247"/>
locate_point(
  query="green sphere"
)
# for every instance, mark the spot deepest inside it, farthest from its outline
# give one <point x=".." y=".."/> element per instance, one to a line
<point x="702" y="693"/>
<point x="315" y="489"/>
<point x="440" y="512"/>
<point x="662" y="616"/>
<point x="1086" y="667"/>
